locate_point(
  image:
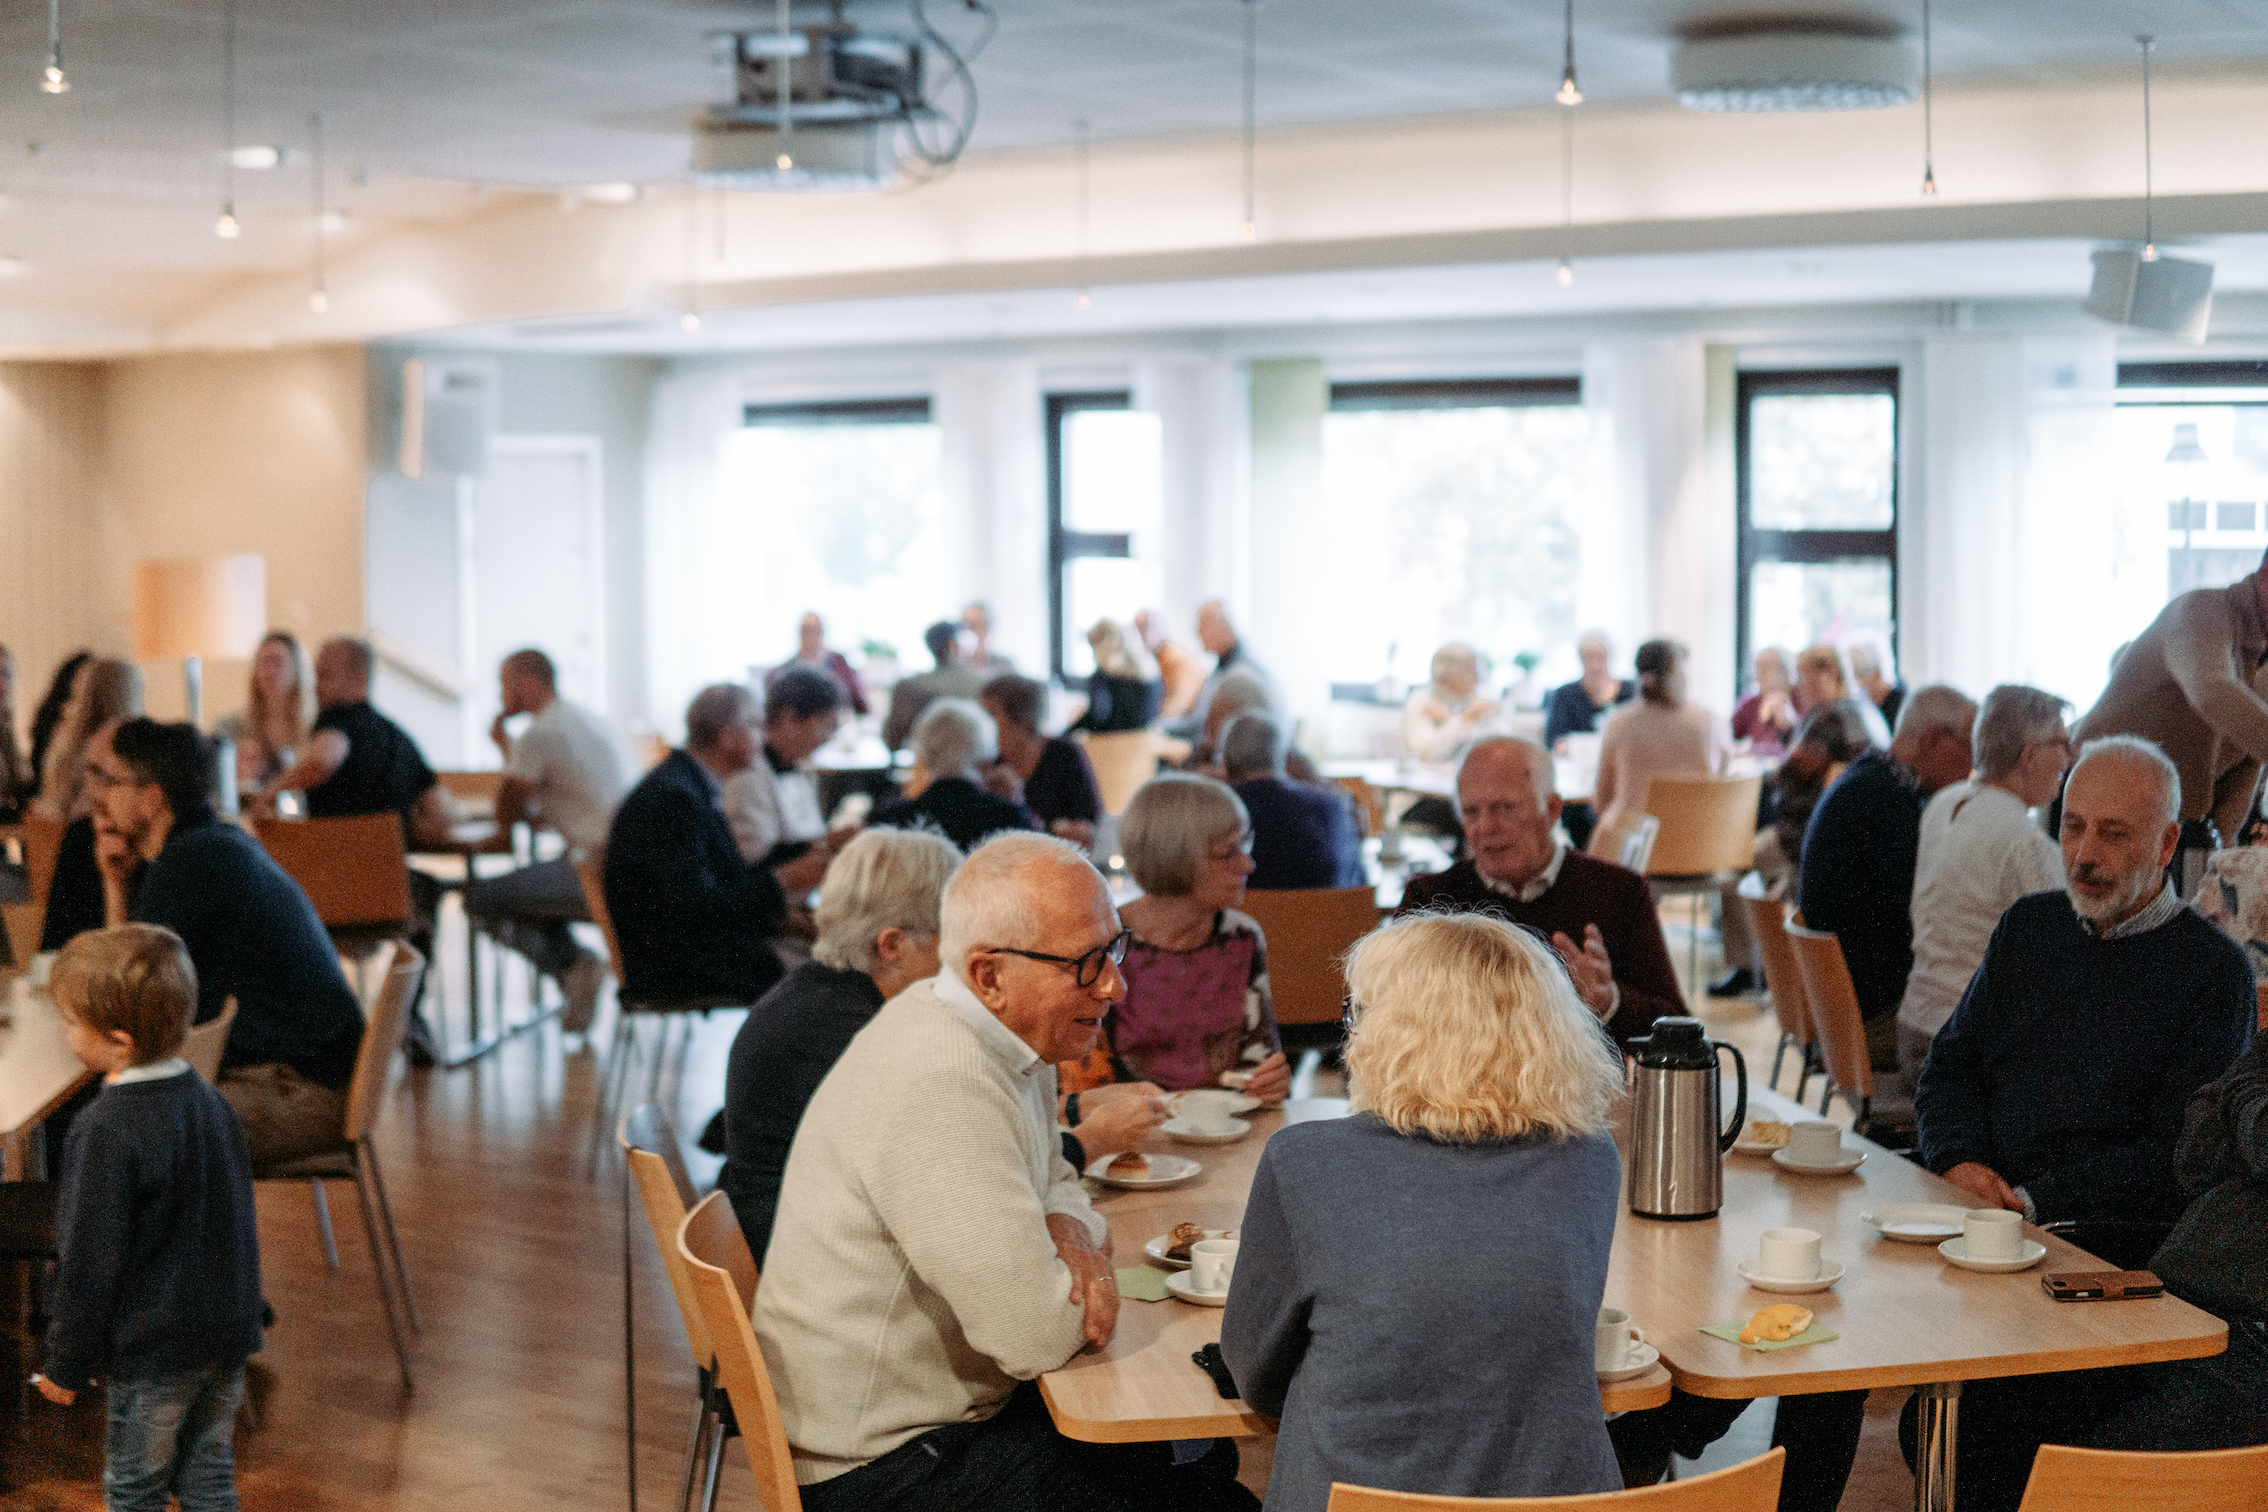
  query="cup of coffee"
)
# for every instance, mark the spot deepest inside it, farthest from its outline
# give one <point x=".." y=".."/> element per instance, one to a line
<point x="1211" y="1263"/>
<point x="1992" y="1234"/>
<point x="1618" y="1338"/>
<point x="1815" y="1142"/>
<point x="1788" y="1254"/>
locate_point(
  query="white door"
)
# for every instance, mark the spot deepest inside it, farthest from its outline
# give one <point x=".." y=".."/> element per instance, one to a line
<point x="537" y="570"/>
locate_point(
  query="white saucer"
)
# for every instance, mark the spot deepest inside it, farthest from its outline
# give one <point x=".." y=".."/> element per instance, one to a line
<point x="1189" y="1133"/>
<point x="1156" y="1248"/>
<point x="1830" y="1272"/>
<point x="1180" y="1284"/>
<point x="2029" y="1253"/>
<point x="1165" y="1171"/>
<point x="1843" y="1167"/>
<point x="1642" y="1358"/>
<point x="1917" y="1222"/>
<point x="1213" y="1100"/>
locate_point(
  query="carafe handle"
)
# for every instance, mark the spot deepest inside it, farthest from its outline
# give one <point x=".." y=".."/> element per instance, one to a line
<point x="1726" y="1136"/>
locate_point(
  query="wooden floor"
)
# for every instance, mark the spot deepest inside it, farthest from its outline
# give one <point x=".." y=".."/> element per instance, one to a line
<point x="517" y="1256"/>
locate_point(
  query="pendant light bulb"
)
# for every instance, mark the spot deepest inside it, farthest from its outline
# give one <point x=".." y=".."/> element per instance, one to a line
<point x="1082" y="299"/>
<point x="1566" y="272"/>
<point x="1929" y="181"/>
<point x="689" y="321"/>
<point x="53" y="82"/>
<point x="784" y="163"/>
<point x="1568" y="93"/>
<point x="318" y="302"/>
<point x="226" y="227"/>
<point x="1250" y="232"/>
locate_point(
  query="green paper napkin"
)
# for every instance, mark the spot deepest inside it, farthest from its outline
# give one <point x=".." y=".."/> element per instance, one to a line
<point x="1730" y="1333"/>
<point x="1143" y="1283"/>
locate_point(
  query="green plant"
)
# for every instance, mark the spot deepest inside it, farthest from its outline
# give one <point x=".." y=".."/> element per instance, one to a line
<point x="882" y="648"/>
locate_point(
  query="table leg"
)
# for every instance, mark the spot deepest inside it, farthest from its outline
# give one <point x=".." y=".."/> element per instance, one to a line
<point x="1937" y="1442"/>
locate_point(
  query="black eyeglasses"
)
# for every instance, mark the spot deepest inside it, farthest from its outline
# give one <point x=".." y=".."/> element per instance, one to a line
<point x="1087" y="969"/>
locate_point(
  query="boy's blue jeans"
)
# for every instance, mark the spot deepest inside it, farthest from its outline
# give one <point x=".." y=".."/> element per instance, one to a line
<point x="173" y="1433"/>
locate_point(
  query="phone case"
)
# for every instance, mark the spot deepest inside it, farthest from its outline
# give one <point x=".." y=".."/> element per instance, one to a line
<point x="2102" y="1286"/>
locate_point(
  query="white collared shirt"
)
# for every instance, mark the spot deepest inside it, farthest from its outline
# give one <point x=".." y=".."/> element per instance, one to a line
<point x="1536" y="886"/>
<point x="154" y="1071"/>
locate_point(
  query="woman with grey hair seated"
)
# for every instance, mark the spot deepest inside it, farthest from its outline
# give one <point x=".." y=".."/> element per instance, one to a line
<point x="1196" y="970"/>
<point x="1478" y="1163"/>
<point x="952" y="745"/>
<point x="1239" y="693"/>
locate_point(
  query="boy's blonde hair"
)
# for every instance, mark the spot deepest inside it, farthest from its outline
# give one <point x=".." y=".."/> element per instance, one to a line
<point x="134" y="979"/>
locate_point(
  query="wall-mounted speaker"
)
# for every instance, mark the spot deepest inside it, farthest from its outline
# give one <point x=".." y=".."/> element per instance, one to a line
<point x="449" y="412"/>
<point x="2165" y="294"/>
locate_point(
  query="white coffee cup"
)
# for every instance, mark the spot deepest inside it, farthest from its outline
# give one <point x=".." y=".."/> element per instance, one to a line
<point x="1788" y="1254"/>
<point x="1617" y="1338"/>
<point x="1212" y="1262"/>
<point x="1992" y="1234"/>
<point x="1815" y="1142"/>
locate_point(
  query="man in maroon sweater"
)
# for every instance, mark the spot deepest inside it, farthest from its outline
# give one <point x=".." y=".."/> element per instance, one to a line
<point x="1518" y="869"/>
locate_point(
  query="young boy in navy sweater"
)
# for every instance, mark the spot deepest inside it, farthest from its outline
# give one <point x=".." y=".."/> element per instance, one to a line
<point x="158" y="1290"/>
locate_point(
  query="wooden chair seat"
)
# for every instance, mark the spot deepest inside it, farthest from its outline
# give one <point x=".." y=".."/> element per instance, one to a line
<point x="1751" y="1486"/>
<point x="2102" y="1480"/>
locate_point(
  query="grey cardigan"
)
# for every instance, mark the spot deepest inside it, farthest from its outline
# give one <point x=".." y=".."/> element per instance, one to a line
<point x="1420" y="1314"/>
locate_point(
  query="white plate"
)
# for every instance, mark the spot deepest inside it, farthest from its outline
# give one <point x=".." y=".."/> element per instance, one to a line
<point x="2029" y="1253"/>
<point x="1747" y="1146"/>
<point x="1180" y="1284"/>
<point x="1216" y="1102"/>
<point x="1189" y="1133"/>
<point x="1830" y="1272"/>
<point x="1917" y="1222"/>
<point x="1842" y="1167"/>
<point x="1156" y="1248"/>
<point x="1642" y="1359"/>
<point x="1165" y="1171"/>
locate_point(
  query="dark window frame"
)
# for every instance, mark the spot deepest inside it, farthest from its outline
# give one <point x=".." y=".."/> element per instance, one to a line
<point x="1067" y="546"/>
<point x="906" y="410"/>
<point x="1455" y="393"/>
<point x="1757" y="547"/>
<point x="2223" y="374"/>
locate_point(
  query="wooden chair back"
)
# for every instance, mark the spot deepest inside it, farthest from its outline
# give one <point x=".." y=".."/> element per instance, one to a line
<point x="716" y="1258"/>
<point x="1367" y="802"/>
<point x="474" y="789"/>
<point x="1783" y="978"/>
<point x="1834" y="1005"/>
<point x="649" y="1145"/>
<point x="205" y="1043"/>
<point x="1708" y="825"/>
<point x="2103" y="1480"/>
<point x="1308" y="930"/>
<point x="1123" y="760"/>
<point x="355" y="870"/>
<point x="590" y="872"/>
<point x="1751" y="1486"/>
<point x="43" y="843"/>
<point x="400" y="969"/>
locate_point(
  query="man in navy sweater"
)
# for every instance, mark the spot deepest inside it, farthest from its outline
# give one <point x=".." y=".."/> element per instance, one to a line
<point x="2057" y="1088"/>
<point x="1302" y="835"/>
<point x="158" y="1285"/>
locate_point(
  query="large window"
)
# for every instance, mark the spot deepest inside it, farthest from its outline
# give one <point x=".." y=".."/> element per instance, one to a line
<point x="1455" y="510"/>
<point x="848" y="513"/>
<point x="1103" y="491"/>
<point x="2192" y="440"/>
<point x="1818" y="509"/>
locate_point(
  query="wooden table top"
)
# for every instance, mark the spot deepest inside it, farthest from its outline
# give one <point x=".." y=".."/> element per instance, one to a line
<point x="1905" y="1315"/>
<point x="37" y="1069"/>
<point x="1144" y="1387"/>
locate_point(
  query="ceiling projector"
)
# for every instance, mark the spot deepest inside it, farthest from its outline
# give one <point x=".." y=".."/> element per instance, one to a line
<point x="1784" y="64"/>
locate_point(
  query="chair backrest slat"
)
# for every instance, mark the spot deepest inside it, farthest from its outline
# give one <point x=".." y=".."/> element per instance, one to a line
<point x="715" y="1253"/>
<point x="400" y="970"/>
<point x="206" y="1043"/>
<point x="1751" y="1486"/>
<point x="1123" y="760"/>
<point x="1768" y="921"/>
<point x="1708" y="824"/>
<point x="1308" y="931"/>
<point x="355" y="870"/>
<point x="1834" y="1008"/>
<point x="2102" y="1480"/>
<point x="590" y="871"/>
<point x="649" y="1145"/>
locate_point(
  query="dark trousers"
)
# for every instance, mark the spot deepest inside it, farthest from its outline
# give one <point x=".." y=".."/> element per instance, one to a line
<point x="1016" y="1461"/>
<point x="1820" y="1433"/>
<point x="2220" y="1402"/>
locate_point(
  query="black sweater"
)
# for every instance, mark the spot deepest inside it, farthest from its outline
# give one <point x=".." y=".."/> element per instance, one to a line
<point x="2218" y="1256"/>
<point x="160" y="1262"/>
<point x="2070" y="1062"/>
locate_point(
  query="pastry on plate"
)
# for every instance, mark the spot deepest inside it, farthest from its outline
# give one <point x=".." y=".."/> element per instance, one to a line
<point x="1782" y="1320"/>
<point x="1767" y="1132"/>
<point x="1132" y="1166"/>
<point x="1183" y="1236"/>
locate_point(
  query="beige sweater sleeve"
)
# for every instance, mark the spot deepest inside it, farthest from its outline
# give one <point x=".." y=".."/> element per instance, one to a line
<point x="2197" y="650"/>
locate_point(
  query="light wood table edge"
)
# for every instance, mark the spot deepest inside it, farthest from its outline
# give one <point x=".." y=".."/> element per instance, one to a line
<point x="1237" y="1423"/>
<point x="1938" y="1372"/>
<point x="1638" y="1393"/>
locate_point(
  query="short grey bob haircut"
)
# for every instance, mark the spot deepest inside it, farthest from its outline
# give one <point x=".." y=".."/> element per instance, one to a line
<point x="1171" y="823"/>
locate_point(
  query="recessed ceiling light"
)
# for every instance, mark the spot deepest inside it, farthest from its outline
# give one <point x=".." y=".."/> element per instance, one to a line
<point x="256" y="159"/>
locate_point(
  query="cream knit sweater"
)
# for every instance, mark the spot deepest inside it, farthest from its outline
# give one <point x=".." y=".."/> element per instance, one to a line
<point x="911" y="1281"/>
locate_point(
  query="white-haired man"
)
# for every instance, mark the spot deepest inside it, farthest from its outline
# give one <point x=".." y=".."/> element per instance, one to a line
<point x="953" y="742"/>
<point x="933" y="1252"/>
<point x="2058" y="1086"/>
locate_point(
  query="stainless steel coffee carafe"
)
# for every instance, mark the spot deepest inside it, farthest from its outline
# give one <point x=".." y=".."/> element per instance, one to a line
<point x="1676" y="1150"/>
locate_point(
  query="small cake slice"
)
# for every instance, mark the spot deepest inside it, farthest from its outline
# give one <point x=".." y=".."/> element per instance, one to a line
<point x="1183" y="1236"/>
<point x="1132" y="1166"/>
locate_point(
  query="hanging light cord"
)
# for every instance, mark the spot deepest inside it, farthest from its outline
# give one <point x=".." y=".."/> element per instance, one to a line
<point x="1251" y="112"/>
<point x="53" y="81"/>
<point x="1568" y="93"/>
<point x="1567" y="197"/>
<point x="228" y="107"/>
<point x="2149" y="227"/>
<point x="1928" y="108"/>
<point x="319" y="298"/>
<point x="1080" y="200"/>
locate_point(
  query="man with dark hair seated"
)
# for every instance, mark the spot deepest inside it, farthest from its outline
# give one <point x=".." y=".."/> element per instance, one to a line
<point x="949" y="679"/>
<point x="251" y="933"/>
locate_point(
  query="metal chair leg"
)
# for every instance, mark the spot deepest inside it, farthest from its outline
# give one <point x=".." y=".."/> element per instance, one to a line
<point x="1777" y="1056"/>
<point x="1826" y="1090"/>
<point x="385" y="1287"/>
<point x="367" y="1159"/>
<point x="696" y="1445"/>
<point x="716" y="1463"/>
<point x="323" y="1224"/>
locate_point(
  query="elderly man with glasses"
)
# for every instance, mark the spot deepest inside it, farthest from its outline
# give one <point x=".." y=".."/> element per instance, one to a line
<point x="933" y="1253"/>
